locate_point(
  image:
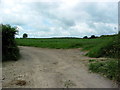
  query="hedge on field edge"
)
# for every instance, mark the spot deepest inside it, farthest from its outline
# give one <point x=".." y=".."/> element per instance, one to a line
<point x="10" y="51"/>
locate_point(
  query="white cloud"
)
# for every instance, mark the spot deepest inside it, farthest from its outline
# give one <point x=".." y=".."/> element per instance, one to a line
<point x="49" y="18"/>
<point x="69" y="0"/>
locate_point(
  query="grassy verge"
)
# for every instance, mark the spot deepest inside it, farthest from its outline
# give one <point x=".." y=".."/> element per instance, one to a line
<point x="108" y="48"/>
<point x="108" y="68"/>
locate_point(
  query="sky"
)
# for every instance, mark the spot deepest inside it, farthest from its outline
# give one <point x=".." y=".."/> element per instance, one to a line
<point x="61" y="18"/>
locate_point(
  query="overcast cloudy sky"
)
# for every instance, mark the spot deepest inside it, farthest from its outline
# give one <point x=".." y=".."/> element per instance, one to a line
<point x="55" y="18"/>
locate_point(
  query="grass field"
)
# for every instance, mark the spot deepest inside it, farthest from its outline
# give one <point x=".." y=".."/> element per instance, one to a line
<point x="95" y="46"/>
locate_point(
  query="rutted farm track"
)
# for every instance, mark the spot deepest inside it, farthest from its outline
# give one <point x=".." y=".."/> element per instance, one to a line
<point x="52" y="68"/>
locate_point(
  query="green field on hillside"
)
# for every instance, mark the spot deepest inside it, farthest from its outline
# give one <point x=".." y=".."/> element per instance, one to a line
<point x="94" y="46"/>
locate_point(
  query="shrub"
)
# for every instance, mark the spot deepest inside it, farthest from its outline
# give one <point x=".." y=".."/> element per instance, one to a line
<point x="10" y="50"/>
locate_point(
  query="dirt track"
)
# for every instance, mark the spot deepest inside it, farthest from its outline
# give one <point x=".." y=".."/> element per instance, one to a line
<point x="52" y="68"/>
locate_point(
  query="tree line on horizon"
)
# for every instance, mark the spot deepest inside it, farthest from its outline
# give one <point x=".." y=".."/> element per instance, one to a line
<point x="25" y="35"/>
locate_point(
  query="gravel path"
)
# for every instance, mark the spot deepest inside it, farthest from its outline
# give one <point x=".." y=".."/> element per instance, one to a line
<point x="51" y="68"/>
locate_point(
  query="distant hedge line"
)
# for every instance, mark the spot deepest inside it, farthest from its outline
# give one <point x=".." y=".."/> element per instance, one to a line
<point x="10" y="51"/>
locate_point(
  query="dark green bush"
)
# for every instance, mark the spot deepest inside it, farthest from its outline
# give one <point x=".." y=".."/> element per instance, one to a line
<point x="10" y="50"/>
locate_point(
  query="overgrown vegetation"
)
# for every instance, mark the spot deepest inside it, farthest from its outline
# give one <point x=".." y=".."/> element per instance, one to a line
<point x="108" y="68"/>
<point x="10" y="50"/>
<point x="108" y="48"/>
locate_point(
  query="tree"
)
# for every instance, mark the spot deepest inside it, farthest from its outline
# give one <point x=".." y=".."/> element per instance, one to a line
<point x="25" y="35"/>
<point x="92" y="36"/>
<point x="85" y="37"/>
<point x="118" y="32"/>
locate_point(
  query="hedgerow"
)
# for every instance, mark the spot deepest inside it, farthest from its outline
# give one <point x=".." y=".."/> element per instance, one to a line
<point x="10" y="51"/>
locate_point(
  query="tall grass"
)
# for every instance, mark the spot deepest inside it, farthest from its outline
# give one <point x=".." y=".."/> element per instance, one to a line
<point x="106" y="48"/>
